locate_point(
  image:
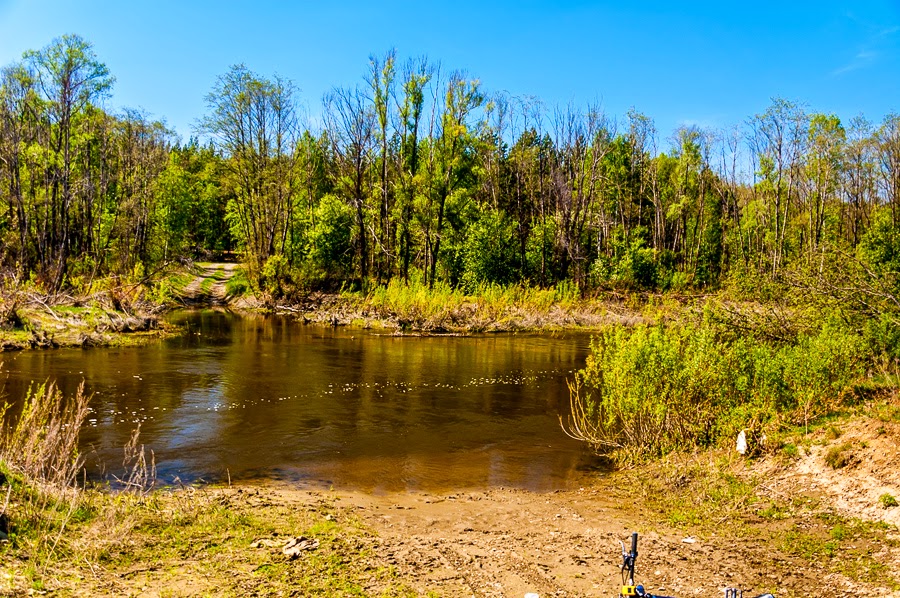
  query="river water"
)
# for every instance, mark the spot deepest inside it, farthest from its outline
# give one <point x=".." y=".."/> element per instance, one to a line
<point x="257" y="397"/>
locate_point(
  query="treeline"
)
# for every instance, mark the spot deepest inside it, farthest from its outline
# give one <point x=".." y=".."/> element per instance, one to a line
<point x="85" y="192"/>
<point x="416" y="172"/>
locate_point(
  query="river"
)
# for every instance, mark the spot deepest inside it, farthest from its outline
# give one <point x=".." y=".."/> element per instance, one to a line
<point x="266" y="397"/>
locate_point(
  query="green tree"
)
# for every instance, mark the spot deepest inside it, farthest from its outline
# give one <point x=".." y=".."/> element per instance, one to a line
<point x="254" y="122"/>
<point x="69" y="78"/>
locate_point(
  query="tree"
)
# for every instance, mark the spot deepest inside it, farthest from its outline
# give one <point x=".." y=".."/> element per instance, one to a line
<point x="382" y="83"/>
<point x="254" y="122"/>
<point x="69" y="78"/>
<point x="450" y="163"/>
<point x="416" y="76"/>
<point x="825" y="144"/>
<point x="351" y="124"/>
<point x="778" y="138"/>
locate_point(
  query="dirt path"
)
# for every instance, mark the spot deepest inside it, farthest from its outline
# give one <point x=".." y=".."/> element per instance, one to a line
<point x="507" y="543"/>
<point x="209" y="286"/>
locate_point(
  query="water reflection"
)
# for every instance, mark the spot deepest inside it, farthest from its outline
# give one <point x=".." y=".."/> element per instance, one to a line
<point x="267" y="397"/>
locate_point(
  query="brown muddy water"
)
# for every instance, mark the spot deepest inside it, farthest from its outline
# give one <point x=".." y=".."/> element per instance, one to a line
<point x="256" y="397"/>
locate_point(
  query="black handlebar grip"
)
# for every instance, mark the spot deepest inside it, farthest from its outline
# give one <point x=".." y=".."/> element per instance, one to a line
<point x="634" y="543"/>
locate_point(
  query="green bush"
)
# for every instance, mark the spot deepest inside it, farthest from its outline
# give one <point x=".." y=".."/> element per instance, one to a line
<point x="653" y="389"/>
<point x="330" y="240"/>
<point x="489" y="253"/>
<point x="887" y="500"/>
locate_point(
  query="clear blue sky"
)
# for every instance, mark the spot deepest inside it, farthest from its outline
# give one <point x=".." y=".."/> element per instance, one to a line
<point x="709" y="63"/>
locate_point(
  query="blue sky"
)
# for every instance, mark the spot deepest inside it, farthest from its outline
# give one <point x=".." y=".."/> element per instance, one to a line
<point x="707" y="63"/>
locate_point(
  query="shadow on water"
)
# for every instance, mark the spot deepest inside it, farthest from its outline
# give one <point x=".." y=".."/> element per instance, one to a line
<point x="264" y="397"/>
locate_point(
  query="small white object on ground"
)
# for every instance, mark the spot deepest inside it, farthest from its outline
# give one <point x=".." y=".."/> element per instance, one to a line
<point x="689" y="540"/>
<point x="295" y="546"/>
<point x="531" y="595"/>
<point x="742" y="442"/>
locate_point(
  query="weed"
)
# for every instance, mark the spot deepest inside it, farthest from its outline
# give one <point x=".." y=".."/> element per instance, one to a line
<point x="839" y="456"/>
<point x="832" y="432"/>
<point x="790" y="450"/>
<point x="40" y="461"/>
<point x="887" y="500"/>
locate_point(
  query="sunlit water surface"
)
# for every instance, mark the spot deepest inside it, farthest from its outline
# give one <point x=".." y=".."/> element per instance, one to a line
<point x="254" y="397"/>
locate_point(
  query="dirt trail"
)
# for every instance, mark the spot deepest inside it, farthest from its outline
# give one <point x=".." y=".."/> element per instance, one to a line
<point x="508" y="543"/>
<point x="209" y="286"/>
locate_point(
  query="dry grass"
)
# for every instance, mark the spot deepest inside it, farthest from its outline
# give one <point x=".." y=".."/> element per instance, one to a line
<point x="42" y="444"/>
<point x="40" y="462"/>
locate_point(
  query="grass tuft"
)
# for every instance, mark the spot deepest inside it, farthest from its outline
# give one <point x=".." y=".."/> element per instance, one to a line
<point x="839" y="455"/>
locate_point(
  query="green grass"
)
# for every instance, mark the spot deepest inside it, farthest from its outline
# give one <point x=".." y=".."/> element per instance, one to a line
<point x="843" y="545"/>
<point x="238" y="284"/>
<point x="415" y="306"/>
<point x="205" y="538"/>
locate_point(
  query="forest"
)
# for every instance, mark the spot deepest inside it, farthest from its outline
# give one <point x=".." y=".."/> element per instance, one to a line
<point x="419" y="172"/>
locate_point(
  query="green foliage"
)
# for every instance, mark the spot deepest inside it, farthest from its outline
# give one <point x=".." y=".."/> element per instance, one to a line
<point x="489" y="252"/>
<point x="330" y="242"/>
<point x="879" y="248"/>
<point x="653" y="389"/>
<point x="540" y="266"/>
<point x="274" y="275"/>
<point x="376" y="194"/>
<point x="191" y="206"/>
<point x="888" y="500"/>
<point x="633" y="264"/>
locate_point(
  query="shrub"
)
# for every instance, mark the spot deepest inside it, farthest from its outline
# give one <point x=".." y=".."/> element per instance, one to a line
<point x="652" y="389"/>
<point x="887" y="500"/>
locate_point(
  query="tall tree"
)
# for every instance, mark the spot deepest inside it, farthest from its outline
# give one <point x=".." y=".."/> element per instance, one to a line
<point x="69" y="78"/>
<point x="381" y="80"/>
<point x="254" y="121"/>
<point x="416" y="75"/>
<point x="450" y="161"/>
<point x="351" y="124"/>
